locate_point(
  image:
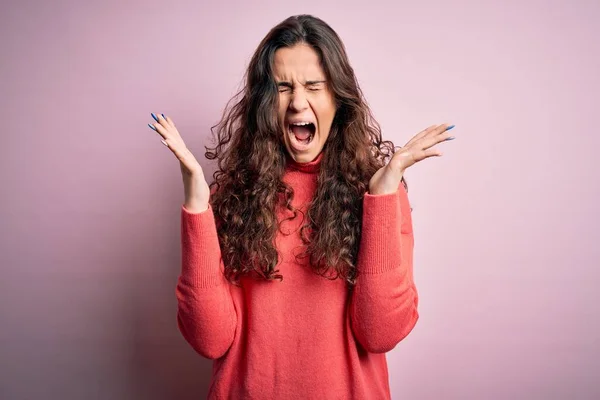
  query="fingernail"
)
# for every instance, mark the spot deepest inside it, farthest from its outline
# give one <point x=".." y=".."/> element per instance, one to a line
<point x="163" y="116"/>
<point x="450" y="127"/>
<point x="451" y="138"/>
<point x="152" y="127"/>
<point x="155" y="117"/>
<point x="165" y="143"/>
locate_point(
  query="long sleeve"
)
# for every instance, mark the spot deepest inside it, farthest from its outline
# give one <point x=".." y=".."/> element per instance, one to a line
<point x="383" y="307"/>
<point x="206" y="314"/>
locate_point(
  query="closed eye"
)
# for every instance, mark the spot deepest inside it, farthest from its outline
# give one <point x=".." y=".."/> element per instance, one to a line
<point x="311" y="86"/>
<point x="312" y="89"/>
<point x="284" y="86"/>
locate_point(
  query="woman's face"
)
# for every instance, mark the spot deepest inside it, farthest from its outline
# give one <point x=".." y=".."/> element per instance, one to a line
<point x="306" y="104"/>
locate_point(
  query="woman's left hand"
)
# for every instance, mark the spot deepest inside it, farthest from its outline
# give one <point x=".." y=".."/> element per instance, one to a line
<point x="420" y="147"/>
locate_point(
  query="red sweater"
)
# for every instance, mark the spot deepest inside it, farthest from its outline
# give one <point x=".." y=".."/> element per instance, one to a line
<point x="305" y="337"/>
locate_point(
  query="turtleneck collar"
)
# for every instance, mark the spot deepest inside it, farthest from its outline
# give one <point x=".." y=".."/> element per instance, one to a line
<point x="309" y="167"/>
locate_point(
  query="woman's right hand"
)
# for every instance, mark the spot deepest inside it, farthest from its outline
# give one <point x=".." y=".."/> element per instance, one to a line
<point x="196" y="189"/>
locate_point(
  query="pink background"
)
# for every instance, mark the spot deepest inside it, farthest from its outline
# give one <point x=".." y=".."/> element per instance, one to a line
<point x="506" y="223"/>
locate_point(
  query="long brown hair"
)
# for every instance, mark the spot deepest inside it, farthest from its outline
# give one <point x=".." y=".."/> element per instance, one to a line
<point x="248" y="188"/>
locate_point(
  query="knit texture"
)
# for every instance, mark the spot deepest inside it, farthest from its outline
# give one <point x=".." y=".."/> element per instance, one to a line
<point x="305" y="337"/>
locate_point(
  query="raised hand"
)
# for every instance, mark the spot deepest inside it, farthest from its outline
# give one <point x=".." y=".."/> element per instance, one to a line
<point x="196" y="188"/>
<point x="420" y="147"/>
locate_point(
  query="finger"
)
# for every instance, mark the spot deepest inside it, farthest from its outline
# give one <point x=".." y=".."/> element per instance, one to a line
<point x="161" y="130"/>
<point x="156" y="129"/>
<point x="434" y="136"/>
<point x="432" y="131"/>
<point x="423" y="154"/>
<point x="167" y="120"/>
<point x="161" y="120"/>
<point x="155" y="117"/>
<point x="432" y="152"/>
<point x="170" y="121"/>
<point x="442" y="132"/>
<point x="421" y="134"/>
<point x="440" y="129"/>
<point x="430" y="141"/>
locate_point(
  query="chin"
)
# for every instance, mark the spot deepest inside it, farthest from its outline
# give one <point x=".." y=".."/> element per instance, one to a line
<point x="303" y="158"/>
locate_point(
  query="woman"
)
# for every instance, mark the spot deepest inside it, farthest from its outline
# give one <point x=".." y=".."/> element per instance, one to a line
<point x="297" y="271"/>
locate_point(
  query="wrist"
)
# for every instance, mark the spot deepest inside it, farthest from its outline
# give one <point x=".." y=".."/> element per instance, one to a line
<point x="195" y="207"/>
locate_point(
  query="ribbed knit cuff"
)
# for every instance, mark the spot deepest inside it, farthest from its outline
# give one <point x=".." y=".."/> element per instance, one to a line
<point x="201" y="254"/>
<point x="381" y="233"/>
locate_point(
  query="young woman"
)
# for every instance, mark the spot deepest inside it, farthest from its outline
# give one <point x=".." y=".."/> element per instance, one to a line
<point x="297" y="272"/>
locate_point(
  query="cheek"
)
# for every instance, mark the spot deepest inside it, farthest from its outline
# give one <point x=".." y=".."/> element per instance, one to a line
<point x="325" y="115"/>
<point x="325" y="109"/>
<point x="282" y="110"/>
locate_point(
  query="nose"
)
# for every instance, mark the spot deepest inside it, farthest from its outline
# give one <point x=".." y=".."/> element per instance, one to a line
<point x="298" y="101"/>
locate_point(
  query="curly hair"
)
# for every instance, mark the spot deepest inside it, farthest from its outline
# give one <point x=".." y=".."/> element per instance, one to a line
<point x="248" y="190"/>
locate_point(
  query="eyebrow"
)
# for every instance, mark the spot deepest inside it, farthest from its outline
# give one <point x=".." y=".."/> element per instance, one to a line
<point x="307" y="83"/>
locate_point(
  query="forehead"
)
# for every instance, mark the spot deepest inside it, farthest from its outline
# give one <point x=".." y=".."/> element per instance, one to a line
<point x="299" y="62"/>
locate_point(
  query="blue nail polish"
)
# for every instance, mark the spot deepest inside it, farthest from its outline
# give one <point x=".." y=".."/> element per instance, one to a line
<point x="451" y="138"/>
<point x="164" y="116"/>
<point x="450" y="127"/>
<point x="155" y="117"/>
<point x="152" y="127"/>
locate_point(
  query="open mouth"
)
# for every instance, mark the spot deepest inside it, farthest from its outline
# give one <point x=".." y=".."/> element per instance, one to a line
<point x="303" y="132"/>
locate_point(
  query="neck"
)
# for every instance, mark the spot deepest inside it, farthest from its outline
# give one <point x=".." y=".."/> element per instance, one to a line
<point x="310" y="167"/>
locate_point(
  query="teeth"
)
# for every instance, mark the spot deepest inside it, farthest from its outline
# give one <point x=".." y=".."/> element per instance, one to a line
<point x="300" y="123"/>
